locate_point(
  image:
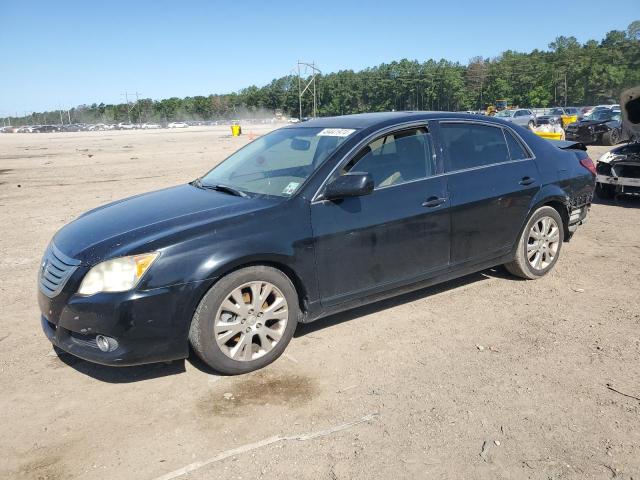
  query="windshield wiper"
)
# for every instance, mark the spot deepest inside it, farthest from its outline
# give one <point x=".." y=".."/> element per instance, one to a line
<point x="221" y="188"/>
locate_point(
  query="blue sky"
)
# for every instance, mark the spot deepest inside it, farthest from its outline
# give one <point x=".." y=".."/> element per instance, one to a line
<point x="63" y="53"/>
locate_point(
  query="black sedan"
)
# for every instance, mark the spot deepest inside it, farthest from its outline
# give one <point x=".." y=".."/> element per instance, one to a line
<point x="306" y="221"/>
<point x="602" y="126"/>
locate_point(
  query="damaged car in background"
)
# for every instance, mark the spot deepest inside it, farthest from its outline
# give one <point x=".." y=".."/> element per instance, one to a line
<point x="618" y="171"/>
<point x="602" y="126"/>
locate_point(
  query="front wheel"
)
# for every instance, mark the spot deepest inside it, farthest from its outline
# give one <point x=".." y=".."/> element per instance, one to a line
<point x="531" y="124"/>
<point x="539" y="245"/>
<point x="246" y="320"/>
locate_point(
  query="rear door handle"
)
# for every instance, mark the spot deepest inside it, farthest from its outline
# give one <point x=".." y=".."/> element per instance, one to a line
<point x="434" y="202"/>
<point x="527" y="181"/>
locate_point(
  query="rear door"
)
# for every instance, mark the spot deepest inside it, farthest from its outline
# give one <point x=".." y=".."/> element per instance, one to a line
<point x="492" y="178"/>
<point x="398" y="233"/>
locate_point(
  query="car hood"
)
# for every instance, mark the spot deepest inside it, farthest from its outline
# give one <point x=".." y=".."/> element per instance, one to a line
<point x="127" y="226"/>
<point x="624" y="153"/>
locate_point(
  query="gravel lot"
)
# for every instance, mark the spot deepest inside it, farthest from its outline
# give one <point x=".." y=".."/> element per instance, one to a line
<point x="485" y="377"/>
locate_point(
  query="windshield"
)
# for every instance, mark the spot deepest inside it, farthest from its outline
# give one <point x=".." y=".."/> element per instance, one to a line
<point x="556" y="111"/>
<point x="277" y="163"/>
<point x="505" y="113"/>
<point x="604" y="114"/>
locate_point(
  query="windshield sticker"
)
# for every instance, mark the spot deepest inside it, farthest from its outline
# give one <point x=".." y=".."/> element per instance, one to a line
<point x="289" y="189"/>
<point x="336" y="132"/>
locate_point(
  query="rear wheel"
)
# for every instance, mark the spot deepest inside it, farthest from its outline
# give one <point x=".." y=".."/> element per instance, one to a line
<point x="531" y="124"/>
<point x="246" y="320"/>
<point x="605" y="191"/>
<point x="539" y="245"/>
<point x="612" y="137"/>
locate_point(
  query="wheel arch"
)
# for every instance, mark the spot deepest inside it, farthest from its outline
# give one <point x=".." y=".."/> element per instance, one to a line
<point x="552" y="196"/>
<point x="276" y="262"/>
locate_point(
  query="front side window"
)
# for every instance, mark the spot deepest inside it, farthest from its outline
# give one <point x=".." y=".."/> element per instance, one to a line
<point x="396" y="158"/>
<point x="277" y="163"/>
<point x="471" y="145"/>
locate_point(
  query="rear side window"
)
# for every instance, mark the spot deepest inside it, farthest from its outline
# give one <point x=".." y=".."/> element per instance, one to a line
<point x="471" y="145"/>
<point x="516" y="149"/>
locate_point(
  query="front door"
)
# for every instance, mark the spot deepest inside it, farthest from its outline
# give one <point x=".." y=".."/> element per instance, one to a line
<point x="397" y="233"/>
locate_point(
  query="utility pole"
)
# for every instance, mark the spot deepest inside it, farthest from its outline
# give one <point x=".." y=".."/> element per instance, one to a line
<point x="565" y="89"/>
<point x="299" y="94"/>
<point x="129" y="106"/>
<point x="138" y="105"/>
<point x="61" y="121"/>
<point x="312" y="82"/>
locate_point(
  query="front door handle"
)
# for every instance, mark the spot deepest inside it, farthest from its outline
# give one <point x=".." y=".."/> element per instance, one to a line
<point x="434" y="202"/>
<point x="527" y="181"/>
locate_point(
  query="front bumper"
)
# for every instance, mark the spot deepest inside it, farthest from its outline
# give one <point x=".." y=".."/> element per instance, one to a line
<point x="583" y="136"/>
<point x="628" y="185"/>
<point x="149" y="326"/>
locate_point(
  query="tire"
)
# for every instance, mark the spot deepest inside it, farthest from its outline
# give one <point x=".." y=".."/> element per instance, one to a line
<point x="605" y="191"/>
<point x="211" y="314"/>
<point x="612" y="137"/>
<point x="531" y="124"/>
<point x="521" y="266"/>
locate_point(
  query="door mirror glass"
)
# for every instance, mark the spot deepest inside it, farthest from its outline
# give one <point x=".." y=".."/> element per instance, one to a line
<point x="352" y="184"/>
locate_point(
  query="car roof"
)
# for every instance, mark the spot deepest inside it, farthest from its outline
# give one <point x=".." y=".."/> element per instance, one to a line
<point x="367" y="120"/>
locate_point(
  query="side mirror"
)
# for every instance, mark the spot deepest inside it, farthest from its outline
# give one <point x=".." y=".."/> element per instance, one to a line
<point x="352" y="184"/>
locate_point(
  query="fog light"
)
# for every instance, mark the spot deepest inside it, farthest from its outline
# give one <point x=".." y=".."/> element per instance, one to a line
<point x="106" y="344"/>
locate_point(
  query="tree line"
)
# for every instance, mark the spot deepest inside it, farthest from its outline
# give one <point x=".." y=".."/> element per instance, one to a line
<point x="568" y="73"/>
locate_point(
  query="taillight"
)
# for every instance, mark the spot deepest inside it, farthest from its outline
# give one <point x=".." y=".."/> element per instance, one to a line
<point x="588" y="164"/>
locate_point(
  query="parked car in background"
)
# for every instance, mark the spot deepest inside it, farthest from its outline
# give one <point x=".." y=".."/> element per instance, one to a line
<point x="177" y="125"/>
<point x="601" y="126"/>
<point x="554" y="116"/>
<point x="47" y="128"/>
<point x="611" y="106"/>
<point x="125" y="126"/>
<point x="521" y="116"/>
<point x="306" y="221"/>
<point x="619" y="171"/>
<point x="71" y="128"/>
<point x="148" y="126"/>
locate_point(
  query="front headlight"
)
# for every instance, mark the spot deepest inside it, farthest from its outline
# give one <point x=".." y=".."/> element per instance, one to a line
<point x="117" y="275"/>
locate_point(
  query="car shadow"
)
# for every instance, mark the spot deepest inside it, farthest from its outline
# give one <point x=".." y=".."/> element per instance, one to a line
<point x="423" y="293"/>
<point x="132" y="374"/>
<point x="624" y="201"/>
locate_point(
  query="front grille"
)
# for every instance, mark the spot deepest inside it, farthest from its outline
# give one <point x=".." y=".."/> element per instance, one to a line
<point x="55" y="270"/>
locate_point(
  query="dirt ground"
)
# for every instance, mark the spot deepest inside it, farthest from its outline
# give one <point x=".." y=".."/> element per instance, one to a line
<point x="486" y="377"/>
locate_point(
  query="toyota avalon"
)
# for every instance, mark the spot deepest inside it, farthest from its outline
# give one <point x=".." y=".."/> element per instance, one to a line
<point x="308" y="220"/>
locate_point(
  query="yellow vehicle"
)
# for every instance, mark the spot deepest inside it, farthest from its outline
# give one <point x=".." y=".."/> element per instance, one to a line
<point x="499" y="106"/>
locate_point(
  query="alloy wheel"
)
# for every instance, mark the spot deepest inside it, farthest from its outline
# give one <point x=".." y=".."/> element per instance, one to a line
<point x="251" y="321"/>
<point x="543" y="243"/>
